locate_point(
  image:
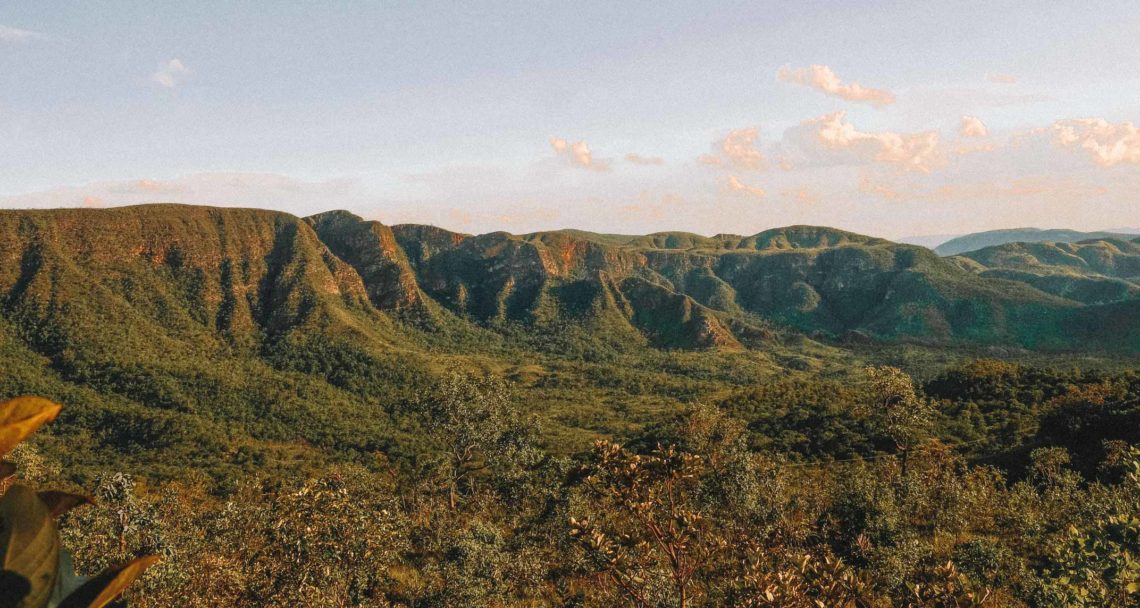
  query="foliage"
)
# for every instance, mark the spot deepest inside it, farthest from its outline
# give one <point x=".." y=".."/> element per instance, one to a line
<point x="477" y="429"/>
<point x="36" y="571"/>
<point x="648" y="536"/>
<point x="1100" y="565"/>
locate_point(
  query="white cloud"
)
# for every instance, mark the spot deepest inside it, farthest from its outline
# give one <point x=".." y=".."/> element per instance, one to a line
<point x="1107" y="143"/>
<point x="735" y="185"/>
<point x="972" y="126"/>
<point x="170" y="73"/>
<point x="16" y="35"/>
<point x="578" y="155"/>
<point x="737" y="150"/>
<point x="822" y="78"/>
<point x="830" y="139"/>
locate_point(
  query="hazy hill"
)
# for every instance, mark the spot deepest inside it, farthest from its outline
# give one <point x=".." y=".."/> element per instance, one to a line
<point x="930" y="241"/>
<point x="992" y="238"/>
<point x="1091" y="272"/>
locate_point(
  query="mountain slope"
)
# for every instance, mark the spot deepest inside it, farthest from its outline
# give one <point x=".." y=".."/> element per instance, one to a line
<point x="811" y="279"/>
<point x="1092" y="272"/>
<point x="993" y="238"/>
<point x="276" y="284"/>
<point x="138" y="316"/>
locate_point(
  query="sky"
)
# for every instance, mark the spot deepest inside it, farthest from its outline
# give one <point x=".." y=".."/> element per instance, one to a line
<point x="887" y="118"/>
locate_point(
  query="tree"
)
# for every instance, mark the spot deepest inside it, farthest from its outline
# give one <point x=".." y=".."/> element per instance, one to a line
<point x="329" y="542"/>
<point x="477" y="428"/>
<point x="898" y="411"/>
<point x="645" y="532"/>
<point x="1099" y="565"/>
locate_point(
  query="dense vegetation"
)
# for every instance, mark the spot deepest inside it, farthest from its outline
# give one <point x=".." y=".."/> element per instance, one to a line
<point x="333" y="412"/>
<point x="991" y="484"/>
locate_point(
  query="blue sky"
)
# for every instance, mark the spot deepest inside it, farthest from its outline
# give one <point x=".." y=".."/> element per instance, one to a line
<point x="451" y="113"/>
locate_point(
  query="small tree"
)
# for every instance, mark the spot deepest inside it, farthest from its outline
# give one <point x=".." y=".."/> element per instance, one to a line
<point x="329" y="542"/>
<point x="477" y="428"/>
<point x="898" y="411"/>
<point x="645" y="532"/>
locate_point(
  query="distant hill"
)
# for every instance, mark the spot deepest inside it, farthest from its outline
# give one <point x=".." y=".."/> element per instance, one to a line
<point x="930" y="241"/>
<point x="1095" y="271"/>
<point x="981" y="240"/>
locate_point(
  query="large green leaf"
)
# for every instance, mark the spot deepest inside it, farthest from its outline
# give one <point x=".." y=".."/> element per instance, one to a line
<point x="67" y="582"/>
<point x="103" y="589"/>
<point x="29" y="544"/>
<point x="21" y="417"/>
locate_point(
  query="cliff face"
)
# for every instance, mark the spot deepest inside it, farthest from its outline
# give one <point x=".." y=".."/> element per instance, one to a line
<point x="250" y="279"/>
<point x="225" y="274"/>
<point x="373" y="251"/>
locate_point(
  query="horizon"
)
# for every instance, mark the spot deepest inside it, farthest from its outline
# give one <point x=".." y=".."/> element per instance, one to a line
<point x="930" y="241"/>
<point x="511" y="117"/>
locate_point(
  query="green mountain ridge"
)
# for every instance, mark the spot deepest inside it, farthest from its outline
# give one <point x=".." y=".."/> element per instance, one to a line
<point x="1099" y="271"/>
<point x="261" y="276"/>
<point x="993" y="238"/>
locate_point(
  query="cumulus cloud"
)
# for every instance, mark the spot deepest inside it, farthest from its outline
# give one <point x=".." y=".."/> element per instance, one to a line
<point x="16" y="35"/>
<point x="973" y="127"/>
<point x="170" y="73"/>
<point x="831" y="139"/>
<point x="1002" y="78"/>
<point x="823" y="78"/>
<point x="737" y="151"/>
<point x="735" y="185"/>
<point x="638" y="159"/>
<point x="1107" y="143"/>
<point x="578" y="155"/>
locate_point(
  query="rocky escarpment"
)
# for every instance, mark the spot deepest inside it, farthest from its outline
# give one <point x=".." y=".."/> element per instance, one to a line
<point x="254" y="279"/>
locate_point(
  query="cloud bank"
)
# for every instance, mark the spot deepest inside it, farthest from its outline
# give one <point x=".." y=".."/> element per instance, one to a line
<point x="831" y="140"/>
<point x="1108" y="144"/>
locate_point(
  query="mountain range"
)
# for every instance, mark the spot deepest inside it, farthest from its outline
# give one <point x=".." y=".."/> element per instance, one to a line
<point x="245" y="339"/>
<point x="252" y="278"/>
